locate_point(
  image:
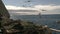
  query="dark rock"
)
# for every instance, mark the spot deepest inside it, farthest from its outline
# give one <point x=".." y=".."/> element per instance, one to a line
<point x="3" y="10"/>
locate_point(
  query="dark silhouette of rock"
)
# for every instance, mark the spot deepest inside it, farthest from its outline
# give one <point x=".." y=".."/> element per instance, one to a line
<point x="3" y="10"/>
<point x="4" y="16"/>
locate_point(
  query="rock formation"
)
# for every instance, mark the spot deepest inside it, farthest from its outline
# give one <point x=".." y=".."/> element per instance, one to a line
<point x="4" y="15"/>
<point x="3" y="10"/>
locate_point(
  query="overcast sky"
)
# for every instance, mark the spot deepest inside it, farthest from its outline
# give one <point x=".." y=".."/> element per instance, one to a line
<point x="45" y="6"/>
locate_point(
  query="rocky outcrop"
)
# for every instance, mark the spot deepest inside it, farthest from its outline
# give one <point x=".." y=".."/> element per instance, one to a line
<point x="24" y="27"/>
<point x="4" y="15"/>
<point x="3" y="10"/>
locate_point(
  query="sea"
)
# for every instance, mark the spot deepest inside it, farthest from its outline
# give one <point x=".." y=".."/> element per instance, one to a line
<point x="50" y="20"/>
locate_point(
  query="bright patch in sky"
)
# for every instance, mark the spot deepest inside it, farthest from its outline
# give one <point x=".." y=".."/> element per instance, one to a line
<point x="10" y="7"/>
<point x="43" y="6"/>
<point x="38" y="7"/>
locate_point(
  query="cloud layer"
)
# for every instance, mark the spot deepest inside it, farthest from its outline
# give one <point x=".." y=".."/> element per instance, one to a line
<point x="45" y="7"/>
<point x="50" y="9"/>
<point x="10" y="7"/>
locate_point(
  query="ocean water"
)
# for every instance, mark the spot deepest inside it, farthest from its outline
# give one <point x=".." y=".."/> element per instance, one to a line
<point x="50" y="20"/>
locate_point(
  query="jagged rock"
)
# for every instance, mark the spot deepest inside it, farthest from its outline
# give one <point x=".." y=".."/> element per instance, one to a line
<point x="3" y="10"/>
<point x="4" y="15"/>
<point x="24" y="27"/>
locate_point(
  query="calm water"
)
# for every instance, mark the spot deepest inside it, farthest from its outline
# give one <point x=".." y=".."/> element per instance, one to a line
<point x="49" y="20"/>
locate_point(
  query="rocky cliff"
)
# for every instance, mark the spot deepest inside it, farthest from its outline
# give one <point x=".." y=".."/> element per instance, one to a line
<point x="3" y="10"/>
<point x="4" y="15"/>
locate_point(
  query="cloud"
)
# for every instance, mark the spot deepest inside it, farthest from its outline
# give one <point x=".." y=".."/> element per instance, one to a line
<point x="38" y="7"/>
<point x="47" y="7"/>
<point x="10" y="7"/>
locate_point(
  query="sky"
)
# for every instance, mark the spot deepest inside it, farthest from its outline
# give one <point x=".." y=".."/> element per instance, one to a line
<point x="44" y="6"/>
